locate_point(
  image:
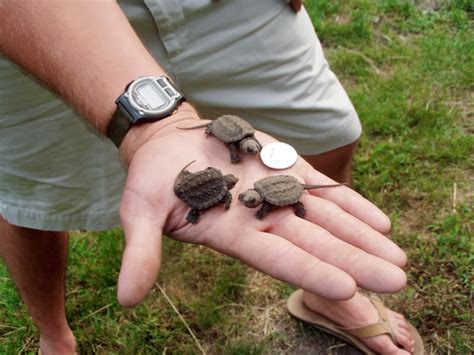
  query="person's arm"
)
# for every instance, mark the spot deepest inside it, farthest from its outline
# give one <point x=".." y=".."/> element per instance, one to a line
<point x="87" y="52"/>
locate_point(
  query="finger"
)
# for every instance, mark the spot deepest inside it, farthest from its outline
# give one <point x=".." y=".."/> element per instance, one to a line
<point x="281" y="259"/>
<point x="142" y="255"/>
<point x="368" y="271"/>
<point x="350" y="201"/>
<point x="345" y="226"/>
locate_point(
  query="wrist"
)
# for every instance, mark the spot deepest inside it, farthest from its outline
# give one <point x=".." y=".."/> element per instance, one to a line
<point x="139" y="134"/>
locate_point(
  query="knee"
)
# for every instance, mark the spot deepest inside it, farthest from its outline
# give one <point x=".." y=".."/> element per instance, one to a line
<point x="336" y="163"/>
<point x="7" y="229"/>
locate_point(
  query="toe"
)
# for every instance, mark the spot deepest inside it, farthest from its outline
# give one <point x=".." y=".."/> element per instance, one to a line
<point x="403" y="325"/>
<point x="400" y="320"/>
<point x="405" y="341"/>
<point x="404" y="333"/>
<point x="384" y="345"/>
<point x="399" y="316"/>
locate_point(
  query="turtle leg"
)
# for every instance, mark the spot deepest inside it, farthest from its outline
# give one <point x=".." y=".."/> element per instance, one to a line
<point x="193" y="216"/>
<point x="226" y="200"/>
<point x="300" y="211"/>
<point x="234" y="153"/>
<point x="263" y="211"/>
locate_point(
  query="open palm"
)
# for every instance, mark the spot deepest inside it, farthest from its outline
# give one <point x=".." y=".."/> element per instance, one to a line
<point x="337" y="247"/>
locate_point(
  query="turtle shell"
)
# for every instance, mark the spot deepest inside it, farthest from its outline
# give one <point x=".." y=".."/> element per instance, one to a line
<point x="229" y="128"/>
<point x="202" y="189"/>
<point x="280" y="190"/>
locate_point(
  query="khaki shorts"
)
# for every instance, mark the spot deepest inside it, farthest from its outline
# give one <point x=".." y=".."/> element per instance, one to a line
<point x="255" y="59"/>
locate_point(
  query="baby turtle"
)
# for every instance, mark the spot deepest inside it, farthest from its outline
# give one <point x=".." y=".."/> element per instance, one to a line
<point x="236" y="134"/>
<point x="277" y="191"/>
<point x="203" y="189"/>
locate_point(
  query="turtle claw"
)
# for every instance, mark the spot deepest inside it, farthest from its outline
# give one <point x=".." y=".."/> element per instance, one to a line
<point x="300" y="211"/>
<point x="193" y="216"/>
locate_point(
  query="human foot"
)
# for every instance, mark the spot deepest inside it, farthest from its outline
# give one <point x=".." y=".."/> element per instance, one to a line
<point x="64" y="344"/>
<point x="359" y="321"/>
<point x="359" y="311"/>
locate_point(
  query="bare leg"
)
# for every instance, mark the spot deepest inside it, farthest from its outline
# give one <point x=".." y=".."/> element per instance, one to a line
<point x="357" y="311"/>
<point x="337" y="164"/>
<point x="37" y="262"/>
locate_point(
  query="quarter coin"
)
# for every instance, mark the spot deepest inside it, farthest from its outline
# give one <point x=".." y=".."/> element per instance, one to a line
<point x="278" y="155"/>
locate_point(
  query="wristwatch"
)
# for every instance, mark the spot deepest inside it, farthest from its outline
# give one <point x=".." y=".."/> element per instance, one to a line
<point x="146" y="99"/>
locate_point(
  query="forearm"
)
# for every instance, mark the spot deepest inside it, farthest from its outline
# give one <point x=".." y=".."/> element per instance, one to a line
<point x="85" y="51"/>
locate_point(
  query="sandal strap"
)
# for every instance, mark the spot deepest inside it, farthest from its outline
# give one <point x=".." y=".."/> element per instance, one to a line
<point x="368" y="331"/>
<point x="382" y="326"/>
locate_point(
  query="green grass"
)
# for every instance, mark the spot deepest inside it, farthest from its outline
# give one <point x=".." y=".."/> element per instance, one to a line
<point x="409" y="70"/>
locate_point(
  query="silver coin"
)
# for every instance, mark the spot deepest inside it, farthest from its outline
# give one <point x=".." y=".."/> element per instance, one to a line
<point x="278" y="155"/>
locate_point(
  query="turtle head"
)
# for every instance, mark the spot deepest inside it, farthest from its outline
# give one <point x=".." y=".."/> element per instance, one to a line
<point x="250" y="146"/>
<point x="230" y="180"/>
<point x="250" y="198"/>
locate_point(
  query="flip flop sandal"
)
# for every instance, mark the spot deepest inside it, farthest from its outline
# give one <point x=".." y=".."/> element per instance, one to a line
<point x="298" y="310"/>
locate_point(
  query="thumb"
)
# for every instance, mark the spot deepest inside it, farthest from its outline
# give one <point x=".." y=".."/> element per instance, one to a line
<point x="141" y="258"/>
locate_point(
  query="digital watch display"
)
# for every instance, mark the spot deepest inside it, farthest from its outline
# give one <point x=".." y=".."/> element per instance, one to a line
<point x="147" y="99"/>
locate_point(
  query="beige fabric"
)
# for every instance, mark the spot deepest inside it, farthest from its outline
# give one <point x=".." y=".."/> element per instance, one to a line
<point x="255" y="59"/>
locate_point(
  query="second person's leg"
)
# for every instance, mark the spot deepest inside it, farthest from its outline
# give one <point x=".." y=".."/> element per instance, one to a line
<point x="37" y="262"/>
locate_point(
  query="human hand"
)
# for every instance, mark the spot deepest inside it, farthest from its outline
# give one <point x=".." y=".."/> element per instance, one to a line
<point x="337" y="246"/>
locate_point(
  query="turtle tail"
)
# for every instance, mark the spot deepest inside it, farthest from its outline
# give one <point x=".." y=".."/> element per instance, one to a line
<point x="194" y="127"/>
<point x="188" y="164"/>
<point x="308" y="187"/>
<point x="179" y="177"/>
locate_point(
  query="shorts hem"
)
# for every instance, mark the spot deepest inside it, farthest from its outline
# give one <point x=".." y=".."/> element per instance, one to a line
<point x="50" y="222"/>
<point x="345" y="133"/>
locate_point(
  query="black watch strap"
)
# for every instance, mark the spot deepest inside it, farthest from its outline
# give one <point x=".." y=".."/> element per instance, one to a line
<point x="119" y="125"/>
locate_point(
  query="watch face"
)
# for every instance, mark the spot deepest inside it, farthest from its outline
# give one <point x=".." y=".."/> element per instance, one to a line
<point x="149" y="96"/>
